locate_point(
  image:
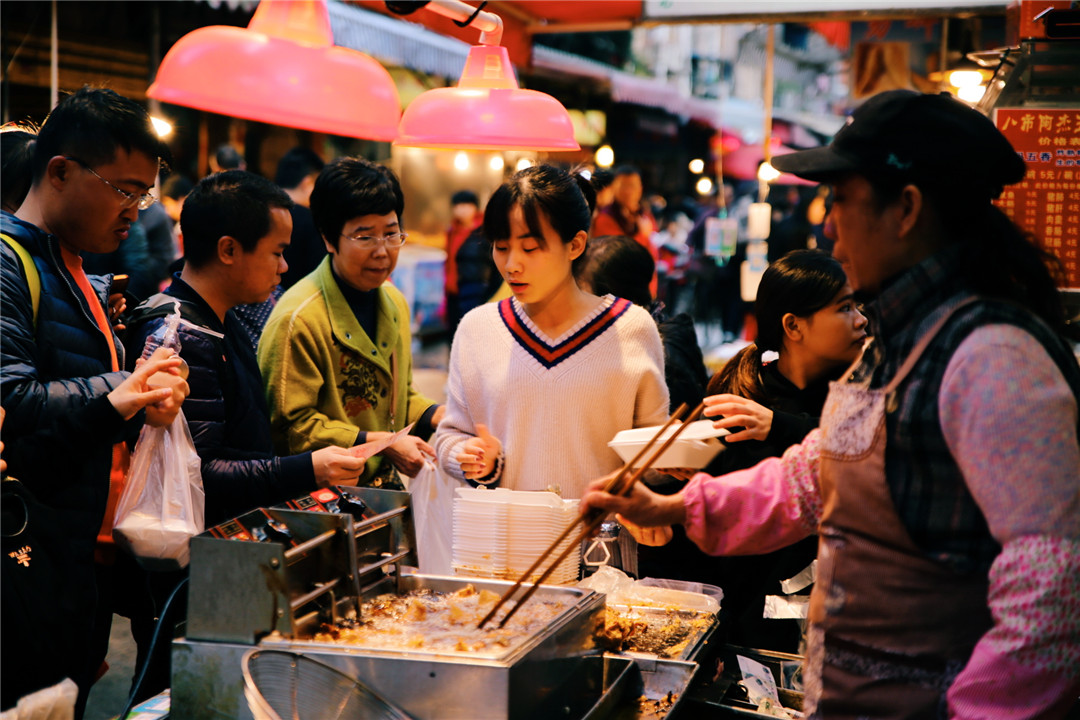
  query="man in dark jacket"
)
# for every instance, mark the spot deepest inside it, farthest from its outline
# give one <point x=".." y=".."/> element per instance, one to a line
<point x="236" y="227"/>
<point x="95" y="161"/>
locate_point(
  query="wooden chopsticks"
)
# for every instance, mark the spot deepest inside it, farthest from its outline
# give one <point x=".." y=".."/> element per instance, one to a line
<point x="620" y="484"/>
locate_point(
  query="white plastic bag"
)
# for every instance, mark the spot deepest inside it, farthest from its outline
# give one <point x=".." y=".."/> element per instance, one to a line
<point x="162" y="506"/>
<point x="432" y="492"/>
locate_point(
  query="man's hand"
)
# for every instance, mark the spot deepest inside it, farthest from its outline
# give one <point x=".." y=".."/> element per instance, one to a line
<point x="337" y="466"/>
<point x="117" y="306"/>
<point x="409" y="454"/>
<point x="755" y="419"/>
<point x="136" y="392"/>
<point x="479" y="455"/>
<point x="163" y="412"/>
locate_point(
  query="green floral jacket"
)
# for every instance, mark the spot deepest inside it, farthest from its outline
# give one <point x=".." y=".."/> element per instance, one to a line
<point x="326" y="380"/>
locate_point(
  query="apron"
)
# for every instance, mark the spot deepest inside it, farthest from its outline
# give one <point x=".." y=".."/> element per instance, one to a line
<point x="891" y="628"/>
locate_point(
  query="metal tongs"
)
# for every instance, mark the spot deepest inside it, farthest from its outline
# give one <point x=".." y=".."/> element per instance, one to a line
<point x="621" y="484"/>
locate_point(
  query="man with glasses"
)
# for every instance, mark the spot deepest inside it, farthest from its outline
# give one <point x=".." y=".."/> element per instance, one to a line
<point x="236" y="227"/>
<point x="94" y="162"/>
<point x="336" y="353"/>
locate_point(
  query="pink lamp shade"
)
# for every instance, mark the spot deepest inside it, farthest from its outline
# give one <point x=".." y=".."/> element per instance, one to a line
<point x="487" y="111"/>
<point x="282" y="69"/>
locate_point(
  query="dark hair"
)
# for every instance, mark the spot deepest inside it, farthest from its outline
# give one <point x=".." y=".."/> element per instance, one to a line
<point x="228" y="157"/>
<point x="464" y="197"/>
<point x="296" y="165"/>
<point x="17" y="147"/>
<point x="620" y="266"/>
<point x="801" y="282"/>
<point x="176" y="187"/>
<point x="624" y="170"/>
<point x="998" y="258"/>
<point x="565" y="199"/>
<point x="91" y="124"/>
<point x="602" y="179"/>
<point x="235" y="203"/>
<point x="352" y="187"/>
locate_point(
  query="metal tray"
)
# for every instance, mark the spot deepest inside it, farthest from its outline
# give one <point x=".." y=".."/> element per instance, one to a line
<point x="666" y="623"/>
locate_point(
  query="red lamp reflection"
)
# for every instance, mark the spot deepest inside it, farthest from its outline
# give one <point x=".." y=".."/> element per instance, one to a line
<point x="487" y="111"/>
<point x="282" y="69"/>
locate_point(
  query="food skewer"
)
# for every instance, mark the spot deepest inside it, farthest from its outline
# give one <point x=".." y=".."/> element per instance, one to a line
<point x="619" y="485"/>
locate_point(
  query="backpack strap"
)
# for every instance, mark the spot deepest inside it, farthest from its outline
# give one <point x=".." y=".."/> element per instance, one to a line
<point x="33" y="279"/>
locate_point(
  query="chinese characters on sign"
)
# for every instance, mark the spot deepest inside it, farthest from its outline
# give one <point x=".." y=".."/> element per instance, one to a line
<point x="1047" y="202"/>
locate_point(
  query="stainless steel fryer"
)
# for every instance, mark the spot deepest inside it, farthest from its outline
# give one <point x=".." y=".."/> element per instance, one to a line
<point x="317" y="567"/>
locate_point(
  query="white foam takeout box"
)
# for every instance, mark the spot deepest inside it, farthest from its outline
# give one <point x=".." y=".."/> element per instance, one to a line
<point x="694" y="448"/>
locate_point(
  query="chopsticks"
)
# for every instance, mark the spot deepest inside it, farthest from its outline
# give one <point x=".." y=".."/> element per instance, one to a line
<point x="621" y="484"/>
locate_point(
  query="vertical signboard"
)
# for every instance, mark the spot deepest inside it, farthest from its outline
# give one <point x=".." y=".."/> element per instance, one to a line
<point x="1047" y="202"/>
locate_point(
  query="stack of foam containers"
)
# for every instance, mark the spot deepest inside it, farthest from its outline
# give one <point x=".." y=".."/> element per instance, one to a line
<point x="500" y="533"/>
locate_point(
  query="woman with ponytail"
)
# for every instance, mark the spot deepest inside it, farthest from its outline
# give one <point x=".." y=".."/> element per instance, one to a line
<point x="541" y="381"/>
<point x="808" y="318"/>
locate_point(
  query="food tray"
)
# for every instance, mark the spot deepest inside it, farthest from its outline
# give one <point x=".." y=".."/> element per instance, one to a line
<point x="671" y="633"/>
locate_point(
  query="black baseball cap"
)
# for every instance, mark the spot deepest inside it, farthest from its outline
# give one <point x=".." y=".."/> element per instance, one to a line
<point x="906" y="135"/>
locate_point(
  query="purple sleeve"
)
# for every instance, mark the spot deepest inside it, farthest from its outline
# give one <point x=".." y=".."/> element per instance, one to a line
<point x="764" y="508"/>
<point x="1010" y="421"/>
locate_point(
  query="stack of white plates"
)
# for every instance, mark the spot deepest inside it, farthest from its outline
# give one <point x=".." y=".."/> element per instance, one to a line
<point x="500" y="533"/>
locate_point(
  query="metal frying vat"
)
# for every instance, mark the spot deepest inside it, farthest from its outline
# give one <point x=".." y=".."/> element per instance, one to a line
<point x="316" y="567"/>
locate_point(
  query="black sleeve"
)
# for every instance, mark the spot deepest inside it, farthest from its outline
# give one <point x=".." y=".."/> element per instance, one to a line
<point x="790" y="428"/>
<point x="49" y="450"/>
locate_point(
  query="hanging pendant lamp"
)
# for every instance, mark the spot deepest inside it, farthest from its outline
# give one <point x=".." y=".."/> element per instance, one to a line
<point x="487" y="110"/>
<point x="282" y="69"/>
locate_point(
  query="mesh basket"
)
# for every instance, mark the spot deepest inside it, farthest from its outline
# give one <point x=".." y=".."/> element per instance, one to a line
<point x="282" y="685"/>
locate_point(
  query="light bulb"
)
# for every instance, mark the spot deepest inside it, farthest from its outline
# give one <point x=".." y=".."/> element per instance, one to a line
<point x="497" y="163"/>
<point x="523" y="163"/>
<point x="767" y="172"/>
<point x="697" y="166"/>
<point x="971" y="94"/>
<point x="703" y="186"/>
<point x="461" y="161"/>
<point x="605" y="156"/>
<point x="965" y="78"/>
<point x="162" y="127"/>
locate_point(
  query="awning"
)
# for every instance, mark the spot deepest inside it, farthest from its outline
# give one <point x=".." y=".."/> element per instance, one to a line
<point x="743" y="117"/>
<point x="665" y="11"/>
<point x="397" y="42"/>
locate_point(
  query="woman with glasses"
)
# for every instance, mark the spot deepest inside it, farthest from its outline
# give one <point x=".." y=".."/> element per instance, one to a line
<point x="541" y="381"/>
<point x="336" y="351"/>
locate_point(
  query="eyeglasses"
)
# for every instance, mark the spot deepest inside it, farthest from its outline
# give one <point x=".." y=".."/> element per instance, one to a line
<point x="369" y="242"/>
<point x="141" y="201"/>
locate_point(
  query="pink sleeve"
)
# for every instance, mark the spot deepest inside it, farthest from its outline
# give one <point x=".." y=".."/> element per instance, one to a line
<point x="1002" y="385"/>
<point x="764" y="508"/>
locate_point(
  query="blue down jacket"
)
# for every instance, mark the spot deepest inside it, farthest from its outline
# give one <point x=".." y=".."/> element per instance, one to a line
<point x="47" y="373"/>
<point x="59" y="366"/>
<point x="226" y="410"/>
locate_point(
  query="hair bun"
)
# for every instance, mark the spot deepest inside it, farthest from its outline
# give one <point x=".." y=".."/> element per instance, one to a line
<point x="587" y="189"/>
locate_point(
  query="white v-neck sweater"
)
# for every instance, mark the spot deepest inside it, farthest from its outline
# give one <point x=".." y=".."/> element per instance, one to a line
<point x="553" y="404"/>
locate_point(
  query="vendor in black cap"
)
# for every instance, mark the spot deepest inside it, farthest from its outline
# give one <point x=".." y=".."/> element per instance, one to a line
<point x="944" y="481"/>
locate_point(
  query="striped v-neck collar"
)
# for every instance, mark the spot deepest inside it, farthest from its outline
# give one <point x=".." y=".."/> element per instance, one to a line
<point x="525" y="334"/>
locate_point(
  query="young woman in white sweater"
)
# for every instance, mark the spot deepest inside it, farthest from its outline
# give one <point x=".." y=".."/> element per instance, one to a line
<point x="540" y="382"/>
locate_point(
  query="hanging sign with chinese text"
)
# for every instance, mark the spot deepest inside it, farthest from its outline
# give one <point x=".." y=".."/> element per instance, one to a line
<point x="1047" y="202"/>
